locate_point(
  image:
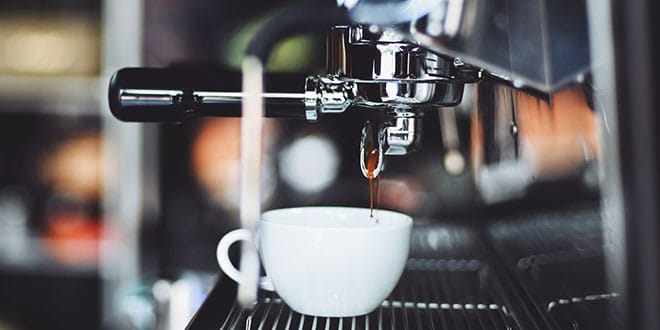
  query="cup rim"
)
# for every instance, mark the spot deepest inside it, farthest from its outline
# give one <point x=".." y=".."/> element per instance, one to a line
<point x="406" y="220"/>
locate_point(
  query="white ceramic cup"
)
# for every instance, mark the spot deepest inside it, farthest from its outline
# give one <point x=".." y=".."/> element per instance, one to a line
<point x="327" y="261"/>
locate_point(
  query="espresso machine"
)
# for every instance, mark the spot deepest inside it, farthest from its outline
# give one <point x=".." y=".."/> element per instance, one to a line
<point x="544" y="103"/>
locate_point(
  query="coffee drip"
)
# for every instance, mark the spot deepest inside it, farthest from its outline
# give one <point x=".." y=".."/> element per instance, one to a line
<point x="371" y="160"/>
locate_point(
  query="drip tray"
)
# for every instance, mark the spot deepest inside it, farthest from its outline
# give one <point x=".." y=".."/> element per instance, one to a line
<point x="431" y="294"/>
<point x="542" y="270"/>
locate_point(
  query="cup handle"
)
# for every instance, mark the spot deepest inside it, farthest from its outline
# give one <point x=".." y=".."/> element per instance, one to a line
<point x="222" y="254"/>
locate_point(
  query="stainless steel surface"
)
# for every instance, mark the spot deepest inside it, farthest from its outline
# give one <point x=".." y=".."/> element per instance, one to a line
<point x="446" y="18"/>
<point x="372" y="139"/>
<point x="389" y="12"/>
<point x="311" y="99"/>
<point x="366" y="70"/>
<point x="453" y="160"/>
<point x="326" y="95"/>
<point x="539" y="44"/>
<point x="420" y="96"/>
<point x="358" y="55"/>
<point x="403" y="136"/>
<point x="138" y="97"/>
<point x="500" y="173"/>
<point x="220" y="97"/>
<point x="403" y="79"/>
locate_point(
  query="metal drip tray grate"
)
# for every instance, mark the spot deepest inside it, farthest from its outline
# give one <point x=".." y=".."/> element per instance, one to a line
<point x="558" y="257"/>
<point x="432" y="294"/>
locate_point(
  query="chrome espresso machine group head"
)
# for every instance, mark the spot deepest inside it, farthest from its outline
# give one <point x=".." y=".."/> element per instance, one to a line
<point x="366" y="70"/>
<point x="395" y="67"/>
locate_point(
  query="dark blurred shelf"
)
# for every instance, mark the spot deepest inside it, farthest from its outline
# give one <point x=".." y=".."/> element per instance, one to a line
<point x="32" y="301"/>
<point x="31" y="256"/>
<point x="67" y="95"/>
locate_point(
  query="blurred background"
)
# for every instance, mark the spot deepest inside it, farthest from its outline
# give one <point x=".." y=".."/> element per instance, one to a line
<point x="108" y="225"/>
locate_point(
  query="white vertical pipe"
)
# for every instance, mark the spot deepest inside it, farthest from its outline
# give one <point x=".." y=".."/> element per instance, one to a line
<point x="605" y="86"/>
<point x="250" y="180"/>
<point x="122" y="44"/>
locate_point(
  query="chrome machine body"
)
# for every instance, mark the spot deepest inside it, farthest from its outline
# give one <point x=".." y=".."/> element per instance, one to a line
<point x="482" y="61"/>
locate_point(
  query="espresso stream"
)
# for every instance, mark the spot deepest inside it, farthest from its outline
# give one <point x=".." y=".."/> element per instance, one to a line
<point x="372" y="161"/>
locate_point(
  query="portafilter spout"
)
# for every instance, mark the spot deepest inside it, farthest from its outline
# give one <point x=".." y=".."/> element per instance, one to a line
<point x="371" y="150"/>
